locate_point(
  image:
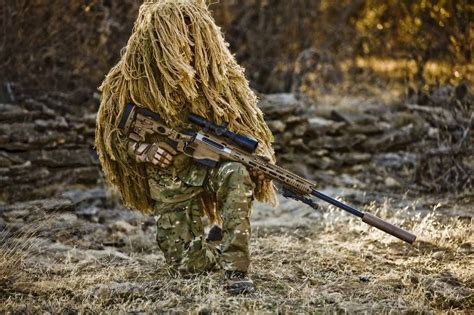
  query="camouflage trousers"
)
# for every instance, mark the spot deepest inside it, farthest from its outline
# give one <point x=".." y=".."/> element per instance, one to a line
<point x="180" y="230"/>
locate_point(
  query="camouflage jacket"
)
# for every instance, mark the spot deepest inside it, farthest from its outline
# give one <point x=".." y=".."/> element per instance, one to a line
<point x="180" y="181"/>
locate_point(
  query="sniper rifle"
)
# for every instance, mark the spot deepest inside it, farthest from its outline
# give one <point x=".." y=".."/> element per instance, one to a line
<point x="212" y="143"/>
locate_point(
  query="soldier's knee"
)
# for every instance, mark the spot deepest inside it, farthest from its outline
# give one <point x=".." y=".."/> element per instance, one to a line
<point x="235" y="180"/>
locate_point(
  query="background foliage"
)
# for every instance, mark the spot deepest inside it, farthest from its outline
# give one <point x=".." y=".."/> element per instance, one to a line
<point x="299" y="45"/>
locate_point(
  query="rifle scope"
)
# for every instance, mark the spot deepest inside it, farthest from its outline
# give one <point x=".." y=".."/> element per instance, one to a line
<point x="244" y="142"/>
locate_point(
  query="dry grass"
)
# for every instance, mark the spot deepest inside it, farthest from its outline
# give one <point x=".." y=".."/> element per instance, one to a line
<point x="334" y="264"/>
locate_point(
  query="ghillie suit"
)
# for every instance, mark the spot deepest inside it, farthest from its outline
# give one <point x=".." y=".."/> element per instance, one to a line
<point x="176" y="61"/>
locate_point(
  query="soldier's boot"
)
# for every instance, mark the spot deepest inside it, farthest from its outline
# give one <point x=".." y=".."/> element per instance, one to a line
<point x="237" y="282"/>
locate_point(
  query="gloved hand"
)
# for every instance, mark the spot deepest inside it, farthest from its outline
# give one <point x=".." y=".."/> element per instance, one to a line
<point x="160" y="154"/>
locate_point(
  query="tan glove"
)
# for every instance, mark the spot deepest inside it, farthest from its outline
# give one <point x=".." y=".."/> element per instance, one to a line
<point x="160" y="154"/>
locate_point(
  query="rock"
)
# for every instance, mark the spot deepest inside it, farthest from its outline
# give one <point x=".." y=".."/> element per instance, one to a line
<point x="466" y="248"/>
<point x="401" y="119"/>
<point x="348" y="180"/>
<point x="354" y="118"/>
<point x="332" y="297"/>
<point x="438" y="255"/>
<point x="48" y="205"/>
<point x="300" y="130"/>
<point x="15" y="215"/>
<point x="152" y="258"/>
<point x="433" y="133"/>
<point x="59" y="248"/>
<point x="325" y="163"/>
<point x="411" y="278"/>
<point x="140" y="241"/>
<point x="102" y="292"/>
<point x="122" y="226"/>
<point x="372" y="129"/>
<point x="296" y="119"/>
<point x="124" y="290"/>
<point x="394" y="139"/>
<point x="42" y="151"/>
<point x="205" y="310"/>
<point x="279" y="104"/>
<point x="391" y="182"/>
<point x="80" y="195"/>
<point x="108" y="253"/>
<point x="276" y="126"/>
<point x="353" y="307"/>
<point x="345" y="142"/>
<point x="321" y="123"/>
<point x="395" y="160"/>
<point x="352" y="157"/>
<point x="88" y="212"/>
<point x="299" y="143"/>
<point x="68" y="218"/>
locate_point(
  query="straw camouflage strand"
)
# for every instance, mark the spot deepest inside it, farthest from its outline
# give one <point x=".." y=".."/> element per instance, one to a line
<point x="176" y="59"/>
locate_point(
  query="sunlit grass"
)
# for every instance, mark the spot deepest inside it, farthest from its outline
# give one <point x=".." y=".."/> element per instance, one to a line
<point x="332" y="264"/>
<point x="405" y="70"/>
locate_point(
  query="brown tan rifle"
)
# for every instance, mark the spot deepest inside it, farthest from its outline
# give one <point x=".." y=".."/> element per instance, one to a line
<point x="211" y="144"/>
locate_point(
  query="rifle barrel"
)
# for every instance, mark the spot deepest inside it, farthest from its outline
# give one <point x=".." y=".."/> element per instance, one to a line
<point x="337" y="203"/>
<point x="369" y="218"/>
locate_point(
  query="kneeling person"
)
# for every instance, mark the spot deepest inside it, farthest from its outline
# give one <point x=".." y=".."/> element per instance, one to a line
<point x="180" y="204"/>
<point x="176" y="62"/>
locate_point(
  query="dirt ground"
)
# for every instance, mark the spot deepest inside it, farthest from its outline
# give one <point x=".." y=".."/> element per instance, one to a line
<point x="80" y="253"/>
